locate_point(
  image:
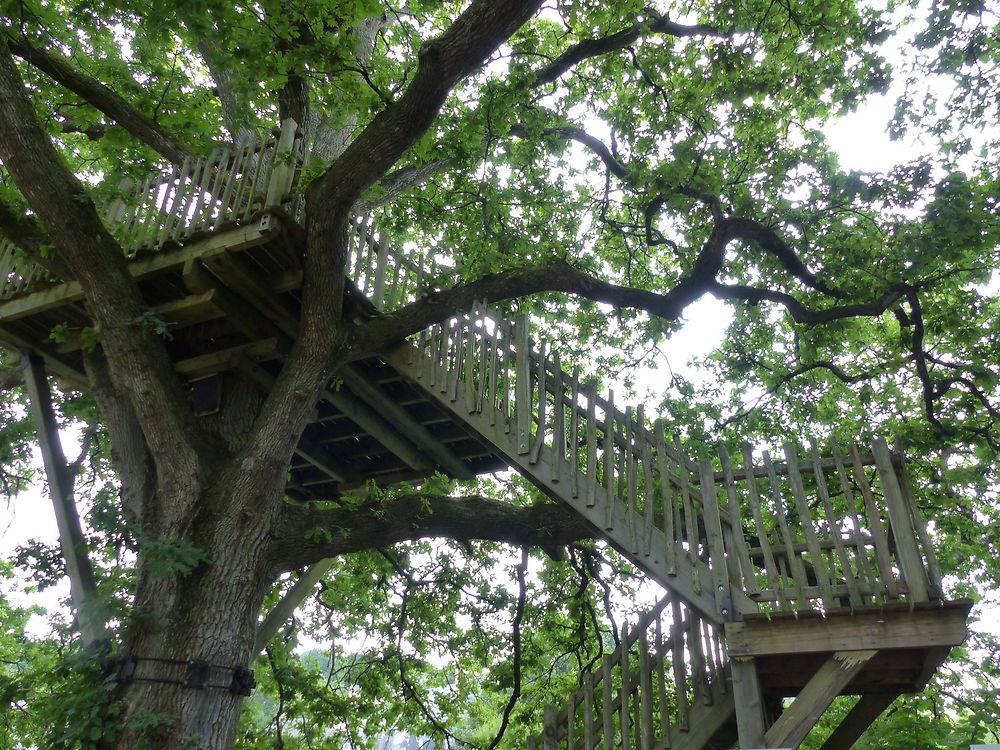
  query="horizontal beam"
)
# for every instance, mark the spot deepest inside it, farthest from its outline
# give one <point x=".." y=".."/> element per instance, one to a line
<point x="876" y="629"/>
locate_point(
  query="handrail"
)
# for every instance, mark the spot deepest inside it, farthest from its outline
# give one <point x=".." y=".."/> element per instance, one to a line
<point x="827" y="532"/>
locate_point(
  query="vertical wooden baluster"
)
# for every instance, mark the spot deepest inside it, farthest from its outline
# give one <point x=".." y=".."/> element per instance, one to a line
<point x="458" y="355"/>
<point x="227" y="172"/>
<point x="649" y="506"/>
<point x="794" y="563"/>
<point x="738" y="538"/>
<point x="645" y="693"/>
<point x="699" y="675"/>
<point x="558" y="420"/>
<point x="713" y="533"/>
<point x="609" y="461"/>
<point x="631" y="477"/>
<point x="833" y="522"/>
<point x="901" y="522"/>
<point x="661" y="682"/>
<point x="551" y="731"/>
<point x="588" y="712"/>
<point x="522" y="395"/>
<point x="805" y="520"/>
<point x="691" y="534"/>
<point x="381" y="270"/>
<point x="881" y="541"/>
<point x="570" y="721"/>
<point x="542" y="400"/>
<point x="865" y="575"/>
<point x="201" y="207"/>
<point x="471" y="402"/>
<point x="574" y="434"/>
<point x="493" y="392"/>
<point x="770" y="569"/>
<point x="216" y="206"/>
<point x="506" y="388"/>
<point x="591" y="472"/>
<point x="666" y="500"/>
<point x="625" y="691"/>
<point x="920" y="524"/>
<point x="607" y="715"/>
<point x="680" y="673"/>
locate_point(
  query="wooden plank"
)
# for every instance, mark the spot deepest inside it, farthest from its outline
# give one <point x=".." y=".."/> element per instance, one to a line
<point x="878" y="628"/>
<point x="574" y="433"/>
<point x="661" y="649"/>
<point x="745" y="566"/>
<point x="588" y="712"/>
<point x="805" y="521"/>
<point x="631" y="480"/>
<point x="625" y="690"/>
<point x="283" y="169"/>
<point x="749" y="701"/>
<point x="279" y="614"/>
<point x="71" y="291"/>
<point x="691" y="533"/>
<point x="645" y="694"/>
<point x="794" y="724"/>
<point x="224" y="359"/>
<point x="542" y="400"/>
<point x="649" y="497"/>
<point x="406" y="424"/>
<point x="907" y="553"/>
<point x="716" y="548"/>
<point x="551" y="730"/>
<point x="608" y="448"/>
<point x="935" y="585"/>
<point x="888" y="577"/>
<point x="90" y="611"/>
<point x="865" y="575"/>
<point x="833" y="523"/>
<point x="857" y="720"/>
<point x="607" y="713"/>
<point x="666" y="498"/>
<point x="559" y="416"/>
<point x="522" y="385"/>
<point x="591" y="470"/>
<point x="794" y="561"/>
<point x="678" y="663"/>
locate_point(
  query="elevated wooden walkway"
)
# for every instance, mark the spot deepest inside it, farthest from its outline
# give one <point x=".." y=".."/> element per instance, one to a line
<point x="810" y="574"/>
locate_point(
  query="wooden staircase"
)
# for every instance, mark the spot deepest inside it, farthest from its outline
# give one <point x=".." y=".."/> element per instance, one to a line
<point x="807" y="576"/>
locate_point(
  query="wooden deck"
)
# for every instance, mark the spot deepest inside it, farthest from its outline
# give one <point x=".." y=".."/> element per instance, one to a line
<point x="809" y="573"/>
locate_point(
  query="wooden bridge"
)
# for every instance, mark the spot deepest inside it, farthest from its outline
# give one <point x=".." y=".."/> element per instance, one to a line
<point x="805" y="575"/>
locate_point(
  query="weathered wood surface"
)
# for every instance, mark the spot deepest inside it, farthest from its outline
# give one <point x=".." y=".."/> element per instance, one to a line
<point x="765" y="536"/>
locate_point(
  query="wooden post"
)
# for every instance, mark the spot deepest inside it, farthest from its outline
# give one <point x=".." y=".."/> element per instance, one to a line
<point x="90" y="611"/>
<point x="716" y="546"/>
<point x="283" y="170"/>
<point x="749" y="702"/>
<point x="281" y="611"/>
<point x="907" y="552"/>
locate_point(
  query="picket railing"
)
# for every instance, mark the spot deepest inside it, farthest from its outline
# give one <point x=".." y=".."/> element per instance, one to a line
<point x="658" y="688"/>
<point x="229" y="188"/>
<point x="806" y="532"/>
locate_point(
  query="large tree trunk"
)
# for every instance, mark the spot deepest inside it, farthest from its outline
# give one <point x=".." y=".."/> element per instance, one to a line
<point x="202" y="608"/>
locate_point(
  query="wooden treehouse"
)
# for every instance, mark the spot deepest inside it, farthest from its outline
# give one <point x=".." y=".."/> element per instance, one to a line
<point x="788" y="580"/>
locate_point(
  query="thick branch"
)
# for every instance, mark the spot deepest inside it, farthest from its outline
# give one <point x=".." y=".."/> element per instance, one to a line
<point x="581" y="136"/>
<point x="306" y="535"/>
<point x="138" y="358"/>
<point x="25" y="233"/>
<point x="620" y="40"/>
<point x="799" y="312"/>
<point x="102" y="98"/>
<point x="474" y="35"/>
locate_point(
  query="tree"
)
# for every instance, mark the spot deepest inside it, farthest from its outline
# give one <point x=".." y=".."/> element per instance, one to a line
<point x="565" y="160"/>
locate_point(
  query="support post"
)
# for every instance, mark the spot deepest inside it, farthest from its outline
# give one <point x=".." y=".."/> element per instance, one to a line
<point x="858" y="719"/>
<point x="749" y="702"/>
<point x="283" y="165"/>
<point x="835" y="674"/>
<point x="281" y="611"/>
<point x="90" y="612"/>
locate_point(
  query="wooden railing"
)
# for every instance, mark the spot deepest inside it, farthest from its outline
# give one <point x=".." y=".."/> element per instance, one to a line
<point x="228" y="188"/>
<point x="807" y="532"/>
<point x="657" y="689"/>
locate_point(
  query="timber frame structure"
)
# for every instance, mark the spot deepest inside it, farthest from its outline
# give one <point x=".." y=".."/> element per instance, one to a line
<point x="805" y="576"/>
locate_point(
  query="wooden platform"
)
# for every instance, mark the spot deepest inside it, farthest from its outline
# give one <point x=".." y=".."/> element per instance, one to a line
<point x="228" y="304"/>
<point x="910" y="643"/>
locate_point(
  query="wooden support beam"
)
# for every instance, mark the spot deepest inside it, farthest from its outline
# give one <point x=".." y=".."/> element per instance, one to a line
<point x="319" y="457"/>
<point x="60" y="365"/>
<point x="749" y="702"/>
<point x="243" y="316"/>
<point x="240" y="238"/>
<point x="255" y="291"/>
<point x="90" y="611"/>
<point x="404" y="423"/>
<point x="224" y="359"/>
<point x="284" y="609"/>
<point x="858" y="720"/>
<point x="800" y="717"/>
<point x="365" y="417"/>
<point x="880" y="628"/>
